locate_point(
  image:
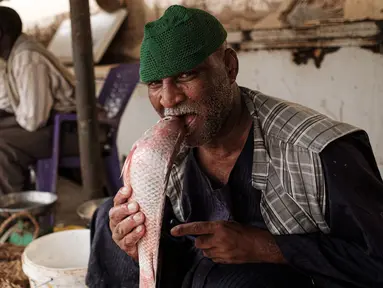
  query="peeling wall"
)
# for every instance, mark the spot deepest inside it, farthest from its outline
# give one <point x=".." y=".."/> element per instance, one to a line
<point x="255" y="14"/>
<point x="241" y="15"/>
<point x="236" y="15"/>
<point x="347" y="87"/>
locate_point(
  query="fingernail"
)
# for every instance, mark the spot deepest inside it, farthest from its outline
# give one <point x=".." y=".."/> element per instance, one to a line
<point x="132" y="207"/>
<point x="124" y="191"/>
<point x="139" y="228"/>
<point x="174" y="230"/>
<point x="137" y="217"/>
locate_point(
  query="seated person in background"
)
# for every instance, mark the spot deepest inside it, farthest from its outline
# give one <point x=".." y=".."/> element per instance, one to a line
<point x="33" y="84"/>
<point x="276" y="194"/>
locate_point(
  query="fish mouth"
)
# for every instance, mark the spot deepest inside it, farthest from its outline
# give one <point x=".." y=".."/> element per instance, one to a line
<point x="168" y="117"/>
<point x="188" y="118"/>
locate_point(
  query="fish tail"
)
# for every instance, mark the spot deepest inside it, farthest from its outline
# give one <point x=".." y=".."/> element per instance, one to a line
<point x="147" y="279"/>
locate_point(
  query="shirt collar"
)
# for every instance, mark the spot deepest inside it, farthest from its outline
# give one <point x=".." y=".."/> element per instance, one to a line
<point x="261" y="158"/>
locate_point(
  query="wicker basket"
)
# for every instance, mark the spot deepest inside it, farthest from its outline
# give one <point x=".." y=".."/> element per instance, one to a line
<point x="11" y="273"/>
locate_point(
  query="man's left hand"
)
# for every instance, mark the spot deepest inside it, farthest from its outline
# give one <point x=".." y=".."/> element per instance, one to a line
<point x="231" y="242"/>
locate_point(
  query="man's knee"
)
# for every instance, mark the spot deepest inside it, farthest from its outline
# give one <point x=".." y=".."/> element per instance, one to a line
<point x="13" y="170"/>
<point x="254" y="275"/>
<point x="100" y="218"/>
<point x="103" y="210"/>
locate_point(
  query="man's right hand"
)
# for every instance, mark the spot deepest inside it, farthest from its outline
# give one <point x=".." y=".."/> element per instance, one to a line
<point x="126" y="222"/>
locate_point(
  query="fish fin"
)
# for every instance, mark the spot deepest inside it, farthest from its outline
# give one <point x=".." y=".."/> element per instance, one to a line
<point x="126" y="167"/>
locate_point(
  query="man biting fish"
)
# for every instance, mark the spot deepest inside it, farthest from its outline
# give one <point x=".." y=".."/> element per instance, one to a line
<point x="263" y="192"/>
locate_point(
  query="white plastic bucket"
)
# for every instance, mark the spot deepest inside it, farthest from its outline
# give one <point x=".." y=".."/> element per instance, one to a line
<point x="58" y="260"/>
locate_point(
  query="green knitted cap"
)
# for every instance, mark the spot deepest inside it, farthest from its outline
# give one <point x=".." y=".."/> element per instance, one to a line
<point x="178" y="41"/>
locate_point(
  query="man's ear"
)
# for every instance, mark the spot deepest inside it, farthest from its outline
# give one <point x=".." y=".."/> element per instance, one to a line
<point x="231" y="63"/>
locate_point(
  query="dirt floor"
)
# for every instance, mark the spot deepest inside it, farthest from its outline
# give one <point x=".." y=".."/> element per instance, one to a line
<point x="70" y="196"/>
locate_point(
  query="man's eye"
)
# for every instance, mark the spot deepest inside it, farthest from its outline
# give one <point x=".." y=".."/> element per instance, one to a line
<point x="186" y="75"/>
<point x="154" y="84"/>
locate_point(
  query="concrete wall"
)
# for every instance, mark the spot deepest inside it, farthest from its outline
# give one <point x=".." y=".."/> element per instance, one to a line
<point x="348" y="87"/>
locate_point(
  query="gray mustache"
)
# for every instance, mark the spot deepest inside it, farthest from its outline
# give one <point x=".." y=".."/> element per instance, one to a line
<point x="177" y="111"/>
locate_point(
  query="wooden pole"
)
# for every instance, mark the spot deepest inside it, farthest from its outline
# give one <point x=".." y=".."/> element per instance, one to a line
<point x="90" y="155"/>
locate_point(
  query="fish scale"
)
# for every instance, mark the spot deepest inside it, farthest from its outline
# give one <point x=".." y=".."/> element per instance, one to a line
<point x="146" y="170"/>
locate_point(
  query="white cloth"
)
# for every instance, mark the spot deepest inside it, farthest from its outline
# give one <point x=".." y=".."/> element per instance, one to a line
<point x="5" y="103"/>
<point x="36" y="85"/>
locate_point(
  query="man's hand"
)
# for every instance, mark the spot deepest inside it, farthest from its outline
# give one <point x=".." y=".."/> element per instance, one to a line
<point x="231" y="242"/>
<point x="126" y="222"/>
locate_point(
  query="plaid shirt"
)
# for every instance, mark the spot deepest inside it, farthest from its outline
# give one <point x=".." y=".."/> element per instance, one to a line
<point x="286" y="164"/>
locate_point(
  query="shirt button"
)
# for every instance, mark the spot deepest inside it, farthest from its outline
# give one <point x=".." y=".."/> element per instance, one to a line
<point x="173" y="222"/>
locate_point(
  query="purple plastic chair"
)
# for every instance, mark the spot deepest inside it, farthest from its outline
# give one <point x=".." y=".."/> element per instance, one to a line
<point x="114" y="96"/>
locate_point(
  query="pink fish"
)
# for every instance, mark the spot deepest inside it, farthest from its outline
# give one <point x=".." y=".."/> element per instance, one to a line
<point x="146" y="170"/>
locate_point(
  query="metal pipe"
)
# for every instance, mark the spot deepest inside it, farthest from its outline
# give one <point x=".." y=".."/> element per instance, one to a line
<point x="87" y="123"/>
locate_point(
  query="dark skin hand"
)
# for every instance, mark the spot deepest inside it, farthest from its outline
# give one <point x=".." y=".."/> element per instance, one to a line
<point x="232" y="243"/>
<point x="126" y="222"/>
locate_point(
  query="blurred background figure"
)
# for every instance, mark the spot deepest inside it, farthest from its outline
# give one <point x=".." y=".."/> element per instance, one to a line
<point x="33" y="85"/>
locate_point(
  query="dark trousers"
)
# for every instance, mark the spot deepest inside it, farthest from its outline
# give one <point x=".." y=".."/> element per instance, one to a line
<point x="208" y="274"/>
<point x="109" y="266"/>
<point x="20" y="148"/>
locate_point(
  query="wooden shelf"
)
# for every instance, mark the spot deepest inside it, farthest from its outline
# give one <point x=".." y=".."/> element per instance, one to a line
<point x="367" y="33"/>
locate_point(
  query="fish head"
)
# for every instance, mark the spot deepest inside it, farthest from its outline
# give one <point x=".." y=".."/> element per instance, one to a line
<point x="164" y="134"/>
<point x="159" y="144"/>
<point x="169" y="127"/>
<point x="163" y="140"/>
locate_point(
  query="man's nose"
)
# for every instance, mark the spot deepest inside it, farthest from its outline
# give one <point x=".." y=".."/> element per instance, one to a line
<point x="171" y="94"/>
